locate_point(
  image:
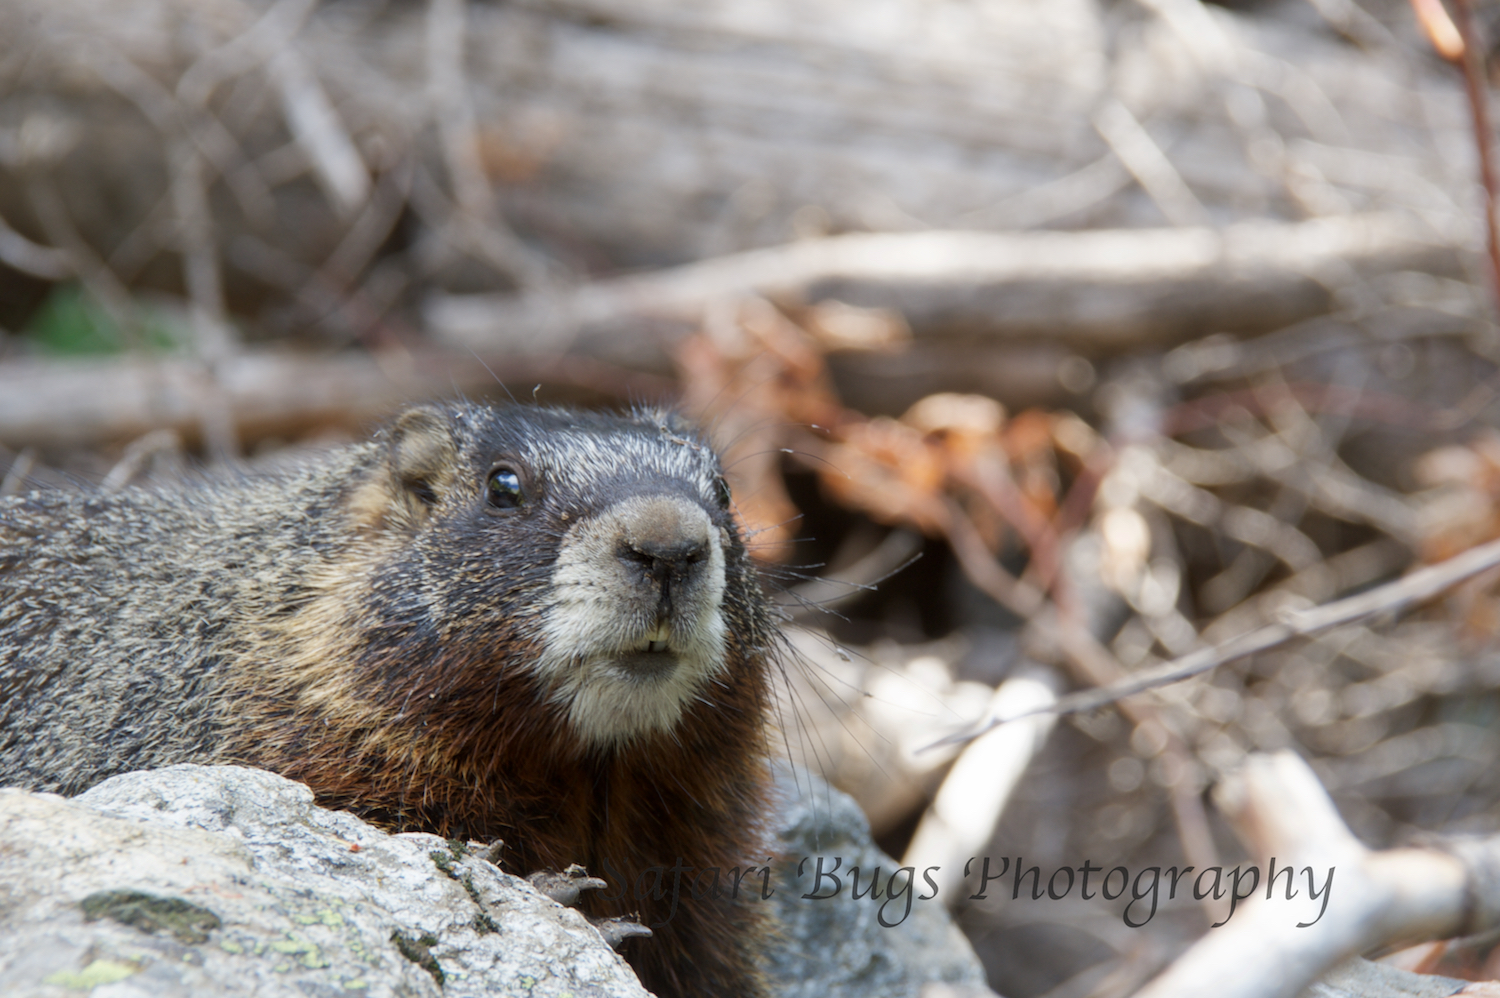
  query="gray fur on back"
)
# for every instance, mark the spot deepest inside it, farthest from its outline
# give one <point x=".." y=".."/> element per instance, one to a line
<point x="116" y="611"/>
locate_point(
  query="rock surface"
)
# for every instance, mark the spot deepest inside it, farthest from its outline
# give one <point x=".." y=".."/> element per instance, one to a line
<point x="281" y="898"/>
<point x="842" y="949"/>
<point x="199" y="880"/>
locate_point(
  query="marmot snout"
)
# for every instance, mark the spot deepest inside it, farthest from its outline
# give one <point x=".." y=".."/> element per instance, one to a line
<point x="635" y="624"/>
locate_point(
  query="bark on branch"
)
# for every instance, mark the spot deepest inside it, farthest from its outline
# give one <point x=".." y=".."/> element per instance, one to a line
<point x="1279" y="809"/>
<point x="1096" y="290"/>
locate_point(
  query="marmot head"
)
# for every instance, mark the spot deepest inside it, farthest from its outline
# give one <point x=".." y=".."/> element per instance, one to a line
<point x="596" y="551"/>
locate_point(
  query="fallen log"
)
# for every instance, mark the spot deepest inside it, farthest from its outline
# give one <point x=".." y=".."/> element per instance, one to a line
<point x="55" y="404"/>
<point x="1097" y="291"/>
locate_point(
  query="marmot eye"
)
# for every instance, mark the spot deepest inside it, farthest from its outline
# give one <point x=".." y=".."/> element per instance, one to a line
<point x="504" y="489"/>
<point x="721" y="491"/>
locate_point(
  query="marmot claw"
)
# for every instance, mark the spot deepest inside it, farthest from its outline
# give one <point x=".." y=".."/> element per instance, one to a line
<point x="565" y="887"/>
<point x="616" y="930"/>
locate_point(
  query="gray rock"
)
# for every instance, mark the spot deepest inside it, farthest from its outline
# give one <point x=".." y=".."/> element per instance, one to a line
<point x="196" y="880"/>
<point x="1360" y="978"/>
<point x="874" y="946"/>
<point x="228" y="881"/>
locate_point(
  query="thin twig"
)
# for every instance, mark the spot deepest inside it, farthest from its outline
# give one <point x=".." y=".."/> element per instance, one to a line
<point x="138" y="456"/>
<point x="1471" y="61"/>
<point x="1130" y="141"/>
<point x="1417" y="587"/>
<point x="981" y="568"/>
<point x="476" y="220"/>
<point x="319" y="130"/>
<point x="198" y="248"/>
<point x="107" y="291"/>
<point x="31" y="258"/>
<point x="19" y="471"/>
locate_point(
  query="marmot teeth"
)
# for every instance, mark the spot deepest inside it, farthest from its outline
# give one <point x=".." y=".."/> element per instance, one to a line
<point x="658" y="638"/>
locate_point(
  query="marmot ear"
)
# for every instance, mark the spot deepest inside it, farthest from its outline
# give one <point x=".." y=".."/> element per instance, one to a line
<point x="422" y="453"/>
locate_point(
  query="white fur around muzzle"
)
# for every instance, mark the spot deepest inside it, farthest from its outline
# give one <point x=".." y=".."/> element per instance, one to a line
<point x="599" y="612"/>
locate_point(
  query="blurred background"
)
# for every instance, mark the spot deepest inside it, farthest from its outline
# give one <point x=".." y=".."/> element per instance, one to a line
<point x="1043" y="340"/>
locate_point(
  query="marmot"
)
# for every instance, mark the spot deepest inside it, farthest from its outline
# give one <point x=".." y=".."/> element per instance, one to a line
<point x="534" y="625"/>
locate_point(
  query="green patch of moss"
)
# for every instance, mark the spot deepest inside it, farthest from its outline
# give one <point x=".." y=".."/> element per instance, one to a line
<point x="482" y="922"/>
<point x="419" y="951"/>
<point x="189" y="923"/>
<point x="444" y="861"/>
<point x="71" y="323"/>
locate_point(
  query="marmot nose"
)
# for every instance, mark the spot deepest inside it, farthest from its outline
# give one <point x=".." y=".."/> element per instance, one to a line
<point x="665" y="539"/>
<point x="666" y="559"/>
